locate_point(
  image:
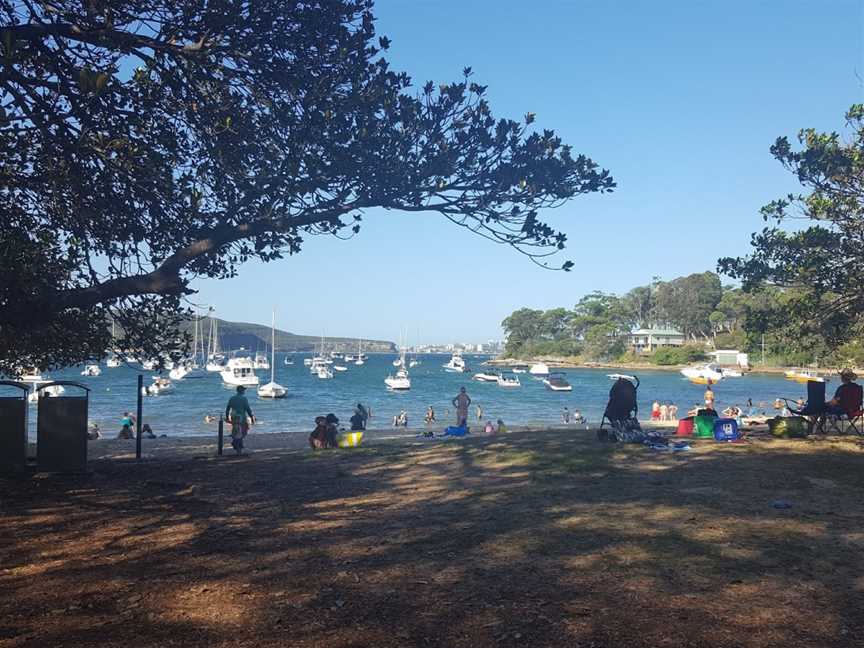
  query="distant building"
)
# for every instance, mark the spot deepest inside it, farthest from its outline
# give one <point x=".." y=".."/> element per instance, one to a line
<point x="649" y="340"/>
<point x="731" y="358"/>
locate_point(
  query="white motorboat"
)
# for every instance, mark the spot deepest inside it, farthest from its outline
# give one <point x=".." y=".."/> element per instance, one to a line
<point x="617" y="376"/>
<point x="539" y="369"/>
<point x="239" y="371"/>
<point x="288" y="361"/>
<point x="91" y="370"/>
<point x="397" y="362"/>
<point x="112" y="362"/>
<point x="323" y="372"/>
<point x="272" y="389"/>
<point x="33" y="376"/>
<point x="160" y="387"/>
<point x="456" y="363"/>
<point x="148" y="365"/>
<point x="307" y="362"/>
<point x="179" y="372"/>
<point x="520" y="369"/>
<point x="486" y="377"/>
<point x="704" y="375"/>
<point x="557" y="382"/>
<point x="261" y="362"/>
<point x="508" y="381"/>
<point x="731" y="373"/>
<point x="339" y="367"/>
<point x="413" y="364"/>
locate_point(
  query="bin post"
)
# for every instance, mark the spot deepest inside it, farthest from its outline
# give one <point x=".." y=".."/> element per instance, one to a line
<point x="140" y="411"/>
<point x="13" y="429"/>
<point x="61" y="429"/>
<point x="221" y="435"/>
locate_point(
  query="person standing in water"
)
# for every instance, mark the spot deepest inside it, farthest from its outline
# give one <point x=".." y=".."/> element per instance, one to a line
<point x="479" y="413"/>
<point x="461" y="403"/>
<point x="236" y="412"/>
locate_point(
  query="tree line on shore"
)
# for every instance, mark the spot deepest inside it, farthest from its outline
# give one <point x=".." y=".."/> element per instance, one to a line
<point x="801" y="293"/>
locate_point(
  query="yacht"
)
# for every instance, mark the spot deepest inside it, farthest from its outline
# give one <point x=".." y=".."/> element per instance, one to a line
<point x="323" y="371"/>
<point x="557" y="382"/>
<point x="486" y="377"/>
<point x="179" y="372"/>
<point x="272" y="389"/>
<point x="339" y="367"/>
<point x="215" y="359"/>
<point x="456" y="363"/>
<point x="91" y="370"/>
<point x="539" y="369"/>
<point x="239" y="371"/>
<point x="508" y="381"/>
<point x="708" y="374"/>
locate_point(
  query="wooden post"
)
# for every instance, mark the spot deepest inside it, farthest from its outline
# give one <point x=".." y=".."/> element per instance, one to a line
<point x="221" y="435"/>
<point x="138" y="418"/>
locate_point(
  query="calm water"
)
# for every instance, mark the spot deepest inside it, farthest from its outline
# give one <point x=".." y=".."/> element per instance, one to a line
<point x="182" y="412"/>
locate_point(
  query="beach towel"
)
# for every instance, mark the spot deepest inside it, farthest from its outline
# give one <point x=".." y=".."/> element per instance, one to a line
<point x="456" y="431"/>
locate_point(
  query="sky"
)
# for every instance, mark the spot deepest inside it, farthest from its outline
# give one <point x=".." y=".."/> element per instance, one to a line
<point x="679" y="100"/>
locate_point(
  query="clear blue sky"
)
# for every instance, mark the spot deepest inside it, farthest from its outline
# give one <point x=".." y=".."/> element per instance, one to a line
<point x="679" y="100"/>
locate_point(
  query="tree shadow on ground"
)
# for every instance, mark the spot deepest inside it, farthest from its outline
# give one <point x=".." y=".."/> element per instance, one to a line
<point x="537" y="539"/>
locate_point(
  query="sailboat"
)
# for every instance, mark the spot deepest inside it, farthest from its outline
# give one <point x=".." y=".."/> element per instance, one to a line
<point x="359" y="360"/>
<point x="272" y="389"/>
<point x="113" y="361"/>
<point x="401" y="381"/>
<point x="215" y="360"/>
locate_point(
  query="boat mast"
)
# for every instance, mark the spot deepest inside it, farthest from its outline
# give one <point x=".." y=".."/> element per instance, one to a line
<point x="273" y="349"/>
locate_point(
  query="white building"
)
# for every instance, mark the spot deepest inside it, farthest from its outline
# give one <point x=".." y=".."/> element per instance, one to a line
<point x="649" y="340"/>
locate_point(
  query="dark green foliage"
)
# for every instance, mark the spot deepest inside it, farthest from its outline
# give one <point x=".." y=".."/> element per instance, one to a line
<point x="678" y="355"/>
<point x="146" y="143"/>
<point x="820" y="266"/>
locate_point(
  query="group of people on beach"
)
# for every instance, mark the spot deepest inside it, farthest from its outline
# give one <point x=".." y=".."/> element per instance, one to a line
<point x="665" y="411"/>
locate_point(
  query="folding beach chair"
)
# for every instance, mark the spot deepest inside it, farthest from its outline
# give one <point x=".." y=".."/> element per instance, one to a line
<point x="814" y="410"/>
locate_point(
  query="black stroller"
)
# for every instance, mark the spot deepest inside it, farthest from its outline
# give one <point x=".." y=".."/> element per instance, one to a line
<point x="621" y="412"/>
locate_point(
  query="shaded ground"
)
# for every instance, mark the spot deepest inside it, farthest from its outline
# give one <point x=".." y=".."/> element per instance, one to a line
<point x="529" y="539"/>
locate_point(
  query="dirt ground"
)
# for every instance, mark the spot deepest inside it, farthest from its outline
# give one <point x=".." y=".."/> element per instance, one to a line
<point x="526" y="539"/>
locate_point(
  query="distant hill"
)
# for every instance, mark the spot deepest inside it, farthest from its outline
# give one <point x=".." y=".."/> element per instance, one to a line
<point x="233" y="335"/>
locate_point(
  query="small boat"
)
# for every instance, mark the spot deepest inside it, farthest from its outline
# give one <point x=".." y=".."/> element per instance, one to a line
<point x="112" y="362"/>
<point x="288" y="361"/>
<point x="456" y="364"/>
<point x="508" y="381"/>
<point x="620" y="376"/>
<point x="485" y="377"/>
<point x="539" y="369"/>
<point x="307" y="362"/>
<point x="732" y="373"/>
<point x="261" y="362"/>
<point x="179" y="372"/>
<point x="148" y="365"/>
<point x="401" y="381"/>
<point x="804" y="376"/>
<point x="557" y="382"/>
<point x="33" y="396"/>
<point x="708" y="374"/>
<point x="413" y="364"/>
<point x="339" y="367"/>
<point x="323" y="372"/>
<point x="92" y="370"/>
<point x="160" y="387"/>
<point x="272" y="389"/>
<point x="397" y="362"/>
<point x="520" y="369"/>
<point x="239" y="371"/>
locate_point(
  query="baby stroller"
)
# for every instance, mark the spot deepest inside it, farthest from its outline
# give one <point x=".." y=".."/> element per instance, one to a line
<point x="621" y="412"/>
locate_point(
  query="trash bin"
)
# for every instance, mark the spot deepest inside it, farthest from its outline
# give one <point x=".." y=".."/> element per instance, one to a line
<point x="703" y="427"/>
<point x="13" y="428"/>
<point x="685" y="427"/>
<point x="61" y="429"/>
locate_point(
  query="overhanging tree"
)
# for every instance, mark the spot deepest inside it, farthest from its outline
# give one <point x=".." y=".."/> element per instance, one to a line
<point x="143" y="144"/>
<point x="820" y="266"/>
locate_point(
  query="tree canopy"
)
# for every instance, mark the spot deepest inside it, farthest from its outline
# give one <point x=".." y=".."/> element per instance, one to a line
<point x="143" y="144"/>
<point x="819" y="262"/>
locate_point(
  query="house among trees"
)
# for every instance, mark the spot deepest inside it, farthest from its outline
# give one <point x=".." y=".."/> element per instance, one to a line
<point x="648" y="340"/>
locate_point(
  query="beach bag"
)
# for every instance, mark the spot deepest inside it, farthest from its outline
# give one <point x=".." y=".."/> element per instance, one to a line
<point x="685" y="427"/>
<point x="350" y="439"/>
<point x="456" y="431"/>
<point x="726" y="429"/>
<point x="627" y="431"/>
<point x="788" y="427"/>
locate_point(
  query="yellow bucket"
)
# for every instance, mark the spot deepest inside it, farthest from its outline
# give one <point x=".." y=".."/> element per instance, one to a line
<point x="350" y="439"/>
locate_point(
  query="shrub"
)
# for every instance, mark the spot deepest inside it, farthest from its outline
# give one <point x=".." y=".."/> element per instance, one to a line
<point x="678" y="355"/>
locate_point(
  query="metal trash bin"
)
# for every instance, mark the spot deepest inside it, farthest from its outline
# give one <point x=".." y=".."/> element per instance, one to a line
<point x="13" y="429"/>
<point x="61" y="429"/>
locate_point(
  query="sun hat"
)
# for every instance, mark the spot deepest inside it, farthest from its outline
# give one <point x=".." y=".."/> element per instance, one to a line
<point x="848" y="374"/>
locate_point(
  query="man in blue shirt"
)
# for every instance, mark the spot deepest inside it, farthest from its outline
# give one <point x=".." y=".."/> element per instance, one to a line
<point x="236" y="412"/>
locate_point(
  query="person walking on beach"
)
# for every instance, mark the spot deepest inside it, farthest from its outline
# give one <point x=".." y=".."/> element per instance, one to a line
<point x="236" y="412"/>
<point x="461" y="403"/>
<point x="430" y="415"/>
